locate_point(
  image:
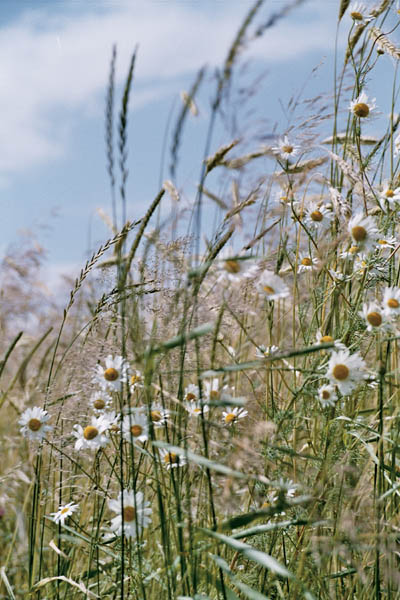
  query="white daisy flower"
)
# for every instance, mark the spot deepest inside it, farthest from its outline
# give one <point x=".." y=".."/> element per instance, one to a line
<point x="231" y="416"/>
<point x="359" y="12"/>
<point x="93" y="436"/>
<point x="285" y="148"/>
<point x="265" y="351"/>
<point x="33" y="423"/>
<point x="387" y="244"/>
<point x="159" y="415"/>
<point x="391" y="302"/>
<point x="64" y="512"/>
<point x="397" y="145"/>
<point x="345" y="370"/>
<point x="363" y="231"/>
<point x="136" y="381"/>
<point x="337" y="276"/>
<point x="132" y="514"/>
<point x="317" y="216"/>
<point x="389" y="194"/>
<point x="234" y="267"/>
<point x="211" y="388"/>
<point x="100" y="401"/>
<point x="374" y="316"/>
<point x="192" y="392"/>
<point x="171" y="460"/>
<point x="135" y="426"/>
<point x="306" y="263"/>
<point x="361" y="107"/>
<point x="327" y="395"/>
<point x="328" y="339"/>
<point x="272" y="286"/>
<point x="194" y="408"/>
<point x="350" y="254"/>
<point x="113" y="374"/>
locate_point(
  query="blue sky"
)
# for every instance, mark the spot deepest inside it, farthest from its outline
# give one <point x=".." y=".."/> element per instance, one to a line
<point x="53" y="75"/>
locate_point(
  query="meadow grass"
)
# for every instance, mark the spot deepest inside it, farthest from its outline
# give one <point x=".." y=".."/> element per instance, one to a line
<point x="216" y="415"/>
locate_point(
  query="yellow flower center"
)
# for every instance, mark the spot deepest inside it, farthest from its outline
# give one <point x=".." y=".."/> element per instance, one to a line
<point x="357" y="16"/>
<point x="326" y="339"/>
<point x="64" y="510"/>
<point x="90" y="432"/>
<point x="389" y="193"/>
<point x="359" y="233"/>
<point x="171" y="458"/>
<point x="190" y="396"/>
<point x="393" y="303"/>
<point x="374" y="319"/>
<point x="268" y="289"/>
<point x="135" y="379"/>
<point x="382" y="242"/>
<point x="265" y="505"/>
<point x="155" y="415"/>
<point x="129" y="513"/>
<point x="214" y="394"/>
<point x="232" y="266"/>
<point x="111" y="374"/>
<point x="353" y="250"/>
<point x="230" y="418"/>
<point x="325" y="394"/>
<point x="99" y="404"/>
<point x="288" y="149"/>
<point x="306" y="262"/>
<point x="341" y="372"/>
<point x="317" y="215"/>
<point x="34" y="424"/>
<point x="361" y="110"/>
<point x="136" y="430"/>
<point x="197" y="410"/>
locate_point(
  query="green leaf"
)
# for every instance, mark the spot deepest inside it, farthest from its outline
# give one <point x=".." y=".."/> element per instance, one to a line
<point x="261" y="558"/>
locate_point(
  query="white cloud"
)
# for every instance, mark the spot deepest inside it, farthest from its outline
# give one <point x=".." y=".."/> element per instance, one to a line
<point x="54" y="68"/>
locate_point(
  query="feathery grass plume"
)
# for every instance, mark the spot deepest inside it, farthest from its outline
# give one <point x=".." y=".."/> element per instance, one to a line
<point x="343" y="138"/>
<point x="344" y="4"/>
<point x="216" y="159"/>
<point x="188" y="103"/>
<point x="303" y="166"/>
<point x="110" y="132"/>
<point x="215" y="198"/>
<point x="383" y="42"/>
<point x="275" y="17"/>
<point x="241" y="161"/>
<point x="353" y="40"/>
<point x="171" y="189"/>
<point x="123" y="134"/>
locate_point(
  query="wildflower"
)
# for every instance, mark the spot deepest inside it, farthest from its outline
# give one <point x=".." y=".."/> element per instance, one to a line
<point x="196" y="407"/>
<point x="135" y="426"/>
<point x="359" y="12"/>
<point x="136" y="381"/>
<point x="391" y="301"/>
<point x="272" y="286"/>
<point x="192" y="392"/>
<point x="285" y="148"/>
<point x="317" y="216"/>
<point x="171" y="460"/>
<point x="389" y="194"/>
<point x="387" y="244"/>
<point x="363" y="232"/>
<point x="345" y="370"/>
<point x="328" y="339"/>
<point x="100" y="401"/>
<point x="361" y="107"/>
<point x="64" y="512"/>
<point x="351" y="253"/>
<point x="159" y="415"/>
<point x="265" y="351"/>
<point x="211" y="389"/>
<point x="235" y="268"/>
<point x="232" y="415"/>
<point x="374" y="316"/>
<point x="327" y="395"/>
<point x="114" y="373"/>
<point x="93" y="436"/>
<point x="132" y="513"/>
<point x="306" y="263"/>
<point x="33" y="422"/>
